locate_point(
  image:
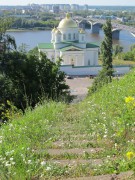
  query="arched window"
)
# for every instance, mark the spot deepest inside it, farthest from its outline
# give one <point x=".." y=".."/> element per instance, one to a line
<point x="69" y="36"/>
<point x="64" y="36"/>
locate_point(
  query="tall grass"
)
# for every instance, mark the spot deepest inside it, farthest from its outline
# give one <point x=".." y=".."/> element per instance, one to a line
<point x="107" y="117"/>
<point x="22" y="137"/>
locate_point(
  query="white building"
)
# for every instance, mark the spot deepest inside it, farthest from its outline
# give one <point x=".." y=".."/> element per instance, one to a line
<point x="69" y="43"/>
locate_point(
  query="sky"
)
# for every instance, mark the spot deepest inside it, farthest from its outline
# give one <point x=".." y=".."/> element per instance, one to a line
<point x="90" y="2"/>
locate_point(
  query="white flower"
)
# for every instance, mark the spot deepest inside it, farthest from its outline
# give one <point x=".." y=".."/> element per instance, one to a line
<point x="43" y="163"/>
<point x="11" y="159"/>
<point x="29" y="161"/>
<point x="7" y="164"/>
<point x="13" y="163"/>
<point x="115" y="145"/>
<point x="7" y="153"/>
<point x="0" y="139"/>
<point x="12" y="151"/>
<point x="48" y="168"/>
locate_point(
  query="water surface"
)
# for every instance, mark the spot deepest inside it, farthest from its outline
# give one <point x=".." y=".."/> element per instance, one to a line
<point x="32" y="38"/>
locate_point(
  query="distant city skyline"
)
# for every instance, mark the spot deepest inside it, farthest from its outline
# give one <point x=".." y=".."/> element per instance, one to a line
<point x="81" y="2"/>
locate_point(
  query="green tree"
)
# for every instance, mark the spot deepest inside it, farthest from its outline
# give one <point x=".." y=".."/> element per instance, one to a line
<point x="117" y="49"/>
<point x="26" y="78"/>
<point x="6" y="40"/>
<point x="132" y="47"/>
<point x="105" y="75"/>
<point x="34" y="79"/>
<point x="106" y="49"/>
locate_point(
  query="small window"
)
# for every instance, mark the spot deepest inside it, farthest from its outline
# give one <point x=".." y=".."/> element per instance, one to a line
<point x="64" y="36"/>
<point x="88" y="62"/>
<point x="69" y="36"/>
<point x="74" y="36"/>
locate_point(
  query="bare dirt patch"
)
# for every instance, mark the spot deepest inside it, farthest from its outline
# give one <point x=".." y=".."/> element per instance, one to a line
<point x="79" y="87"/>
<point x="75" y="162"/>
<point x="78" y="151"/>
<point x="121" y="176"/>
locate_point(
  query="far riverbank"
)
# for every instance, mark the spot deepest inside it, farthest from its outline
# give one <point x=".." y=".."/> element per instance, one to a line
<point x="29" y="29"/>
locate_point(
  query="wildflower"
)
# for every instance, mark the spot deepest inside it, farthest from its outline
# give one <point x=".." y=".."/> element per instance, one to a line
<point x="43" y="163"/>
<point x="130" y="155"/>
<point x="11" y="159"/>
<point x="13" y="163"/>
<point x="129" y="99"/>
<point x="7" y="164"/>
<point x="48" y="168"/>
<point x="29" y="161"/>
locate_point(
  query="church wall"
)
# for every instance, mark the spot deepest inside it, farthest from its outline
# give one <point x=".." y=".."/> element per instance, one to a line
<point x="70" y="31"/>
<point x="91" y="57"/>
<point x="88" y="57"/>
<point x="50" y="53"/>
<point x="75" y="58"/>
<point x="57" y="54"/>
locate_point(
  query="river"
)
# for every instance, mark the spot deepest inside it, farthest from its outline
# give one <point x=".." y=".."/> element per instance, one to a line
<point x="32" y="38"/>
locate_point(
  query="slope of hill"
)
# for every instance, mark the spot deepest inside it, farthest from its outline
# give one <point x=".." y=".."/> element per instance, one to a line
<point x="94" y="139"/>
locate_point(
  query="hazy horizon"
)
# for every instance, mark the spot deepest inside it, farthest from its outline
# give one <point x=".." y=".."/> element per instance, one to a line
<point x="80" y="2"/>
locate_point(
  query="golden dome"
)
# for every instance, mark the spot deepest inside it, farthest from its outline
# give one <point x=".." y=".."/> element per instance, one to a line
<point x="53" y="30"/>
<point x="67" y="22"/>
<point x="82" y="31"/>
<point x="57" y="32"/>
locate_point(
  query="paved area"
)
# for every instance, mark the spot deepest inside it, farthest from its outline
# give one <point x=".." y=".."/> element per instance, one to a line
<point x="79" y="87"/>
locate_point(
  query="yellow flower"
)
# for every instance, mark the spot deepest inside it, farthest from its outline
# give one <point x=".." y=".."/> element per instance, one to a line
<point x="130" y="155"/>
<point x="129" y="99"/>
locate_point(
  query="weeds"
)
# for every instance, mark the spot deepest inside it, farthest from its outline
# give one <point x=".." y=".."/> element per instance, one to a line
<point x="105" y="119"/>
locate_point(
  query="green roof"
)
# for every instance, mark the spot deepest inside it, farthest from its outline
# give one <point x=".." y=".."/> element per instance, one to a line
<point x="45" y="46"/>
<point x="70" y="47"/>
<point x="70" y="42"/>
<point x="90" y="45"/>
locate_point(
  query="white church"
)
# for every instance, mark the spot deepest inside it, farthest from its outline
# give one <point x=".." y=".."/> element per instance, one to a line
<point x="69" y="43"/>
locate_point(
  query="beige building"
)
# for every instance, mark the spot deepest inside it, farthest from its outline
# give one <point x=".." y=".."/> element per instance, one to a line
<point x="69" y="42"/>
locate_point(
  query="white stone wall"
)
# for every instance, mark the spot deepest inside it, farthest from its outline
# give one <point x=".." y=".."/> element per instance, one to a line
<point x="89" y="70"/>
<point x="82" y="38"/>
<point x="87" y="57"/>
<point x="91" y="57"/>
<point x="50" y="53"/>
<point x="76" y="58"/>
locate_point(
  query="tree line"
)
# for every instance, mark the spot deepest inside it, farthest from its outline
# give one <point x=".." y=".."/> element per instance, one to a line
<point x="34" y="23"/>
<point x="27" y="78"/>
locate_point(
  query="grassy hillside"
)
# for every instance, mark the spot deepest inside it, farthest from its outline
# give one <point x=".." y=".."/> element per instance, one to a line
<point x="57" y="141"/>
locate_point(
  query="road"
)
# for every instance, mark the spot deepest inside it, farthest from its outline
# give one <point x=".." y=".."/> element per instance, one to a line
<point x="79" y="87"/>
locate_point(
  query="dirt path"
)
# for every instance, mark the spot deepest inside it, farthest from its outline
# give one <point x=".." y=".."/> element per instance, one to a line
<point x="79" y="87"/>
